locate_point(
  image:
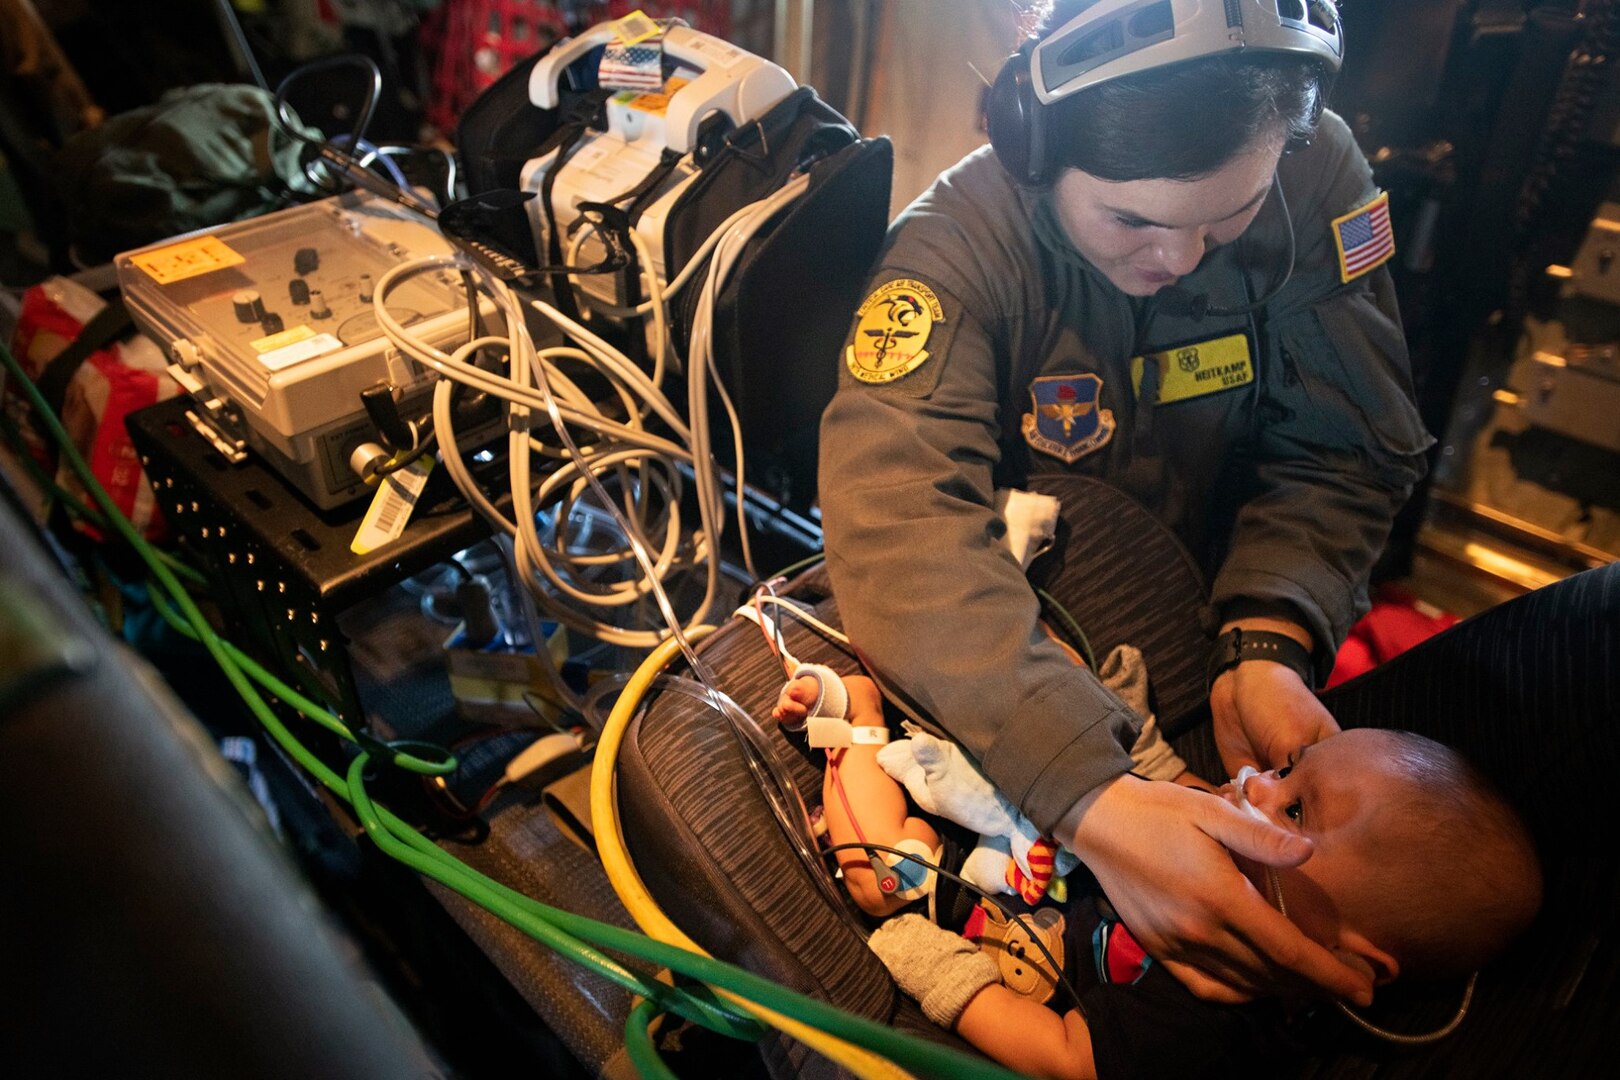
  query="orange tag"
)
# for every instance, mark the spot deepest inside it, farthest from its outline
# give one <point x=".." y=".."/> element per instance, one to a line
<point x="187" y="259"/>
<point x="656" y="103"/>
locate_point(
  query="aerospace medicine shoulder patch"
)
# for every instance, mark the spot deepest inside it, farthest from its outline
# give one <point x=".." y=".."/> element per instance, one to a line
<point x="1364" y="238"/>
<point x="891" y="331"/>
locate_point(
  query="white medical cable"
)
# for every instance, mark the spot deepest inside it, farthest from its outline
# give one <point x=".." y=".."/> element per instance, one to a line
<point x="797" y="185"/>
<point x="701" y="360"/>
<point x="803" y="616"/>
<point x="729" y="243"/>
<point x="772" y="631"/>
<point x="617" y="364"/>
<point x="520" y="398"/>
<point x="523" y="369"/>
<point x="536" y="382"/>
<point x="657" y="297"/>
<point x="529" y="548"/>
<point x="455" y="366"/>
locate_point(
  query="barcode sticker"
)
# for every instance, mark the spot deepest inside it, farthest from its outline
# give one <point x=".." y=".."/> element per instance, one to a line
<point x="636" y="26"/>
<point x="390" y="510"/>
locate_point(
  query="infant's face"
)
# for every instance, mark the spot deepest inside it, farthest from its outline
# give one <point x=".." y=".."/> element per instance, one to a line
<point x="1331" y="792"/>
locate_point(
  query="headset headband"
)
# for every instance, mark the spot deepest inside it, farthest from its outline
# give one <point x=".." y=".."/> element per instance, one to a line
<point x="1111" y="38"/>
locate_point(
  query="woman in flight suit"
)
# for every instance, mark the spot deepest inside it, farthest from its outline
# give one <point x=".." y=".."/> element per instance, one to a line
<point x="1166" y="272"/>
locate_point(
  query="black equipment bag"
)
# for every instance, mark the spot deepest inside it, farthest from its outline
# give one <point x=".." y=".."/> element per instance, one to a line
<point x="783" y="315"/>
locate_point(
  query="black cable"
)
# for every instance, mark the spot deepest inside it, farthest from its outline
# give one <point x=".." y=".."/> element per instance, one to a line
<point x="1071" y="628"/>
<point x="233" y="28"/>
<point x="337" y="158"/>
<point x="778" y="639"/>
<point x="475" y="317"/>
<point x="1012" y="915"/>
<point x="475" y="329"/>
<point x="421" y="450"/>
<point x="790" y="568"/>
<point x="373" y="93"/>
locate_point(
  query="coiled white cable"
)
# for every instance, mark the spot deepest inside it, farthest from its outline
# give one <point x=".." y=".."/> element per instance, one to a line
<point x="644" y="465"/>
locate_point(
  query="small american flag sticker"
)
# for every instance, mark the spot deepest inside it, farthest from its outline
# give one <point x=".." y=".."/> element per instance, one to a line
<point x="1364" y="238"/>
<point x="632" y="67"/>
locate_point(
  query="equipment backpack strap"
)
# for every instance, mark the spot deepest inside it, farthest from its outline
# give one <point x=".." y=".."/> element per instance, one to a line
<point x="108" y="324"/>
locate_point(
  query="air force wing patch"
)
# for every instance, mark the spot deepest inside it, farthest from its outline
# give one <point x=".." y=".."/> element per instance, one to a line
<point x="1066" y="419"/>
<point x="891" y="331"/>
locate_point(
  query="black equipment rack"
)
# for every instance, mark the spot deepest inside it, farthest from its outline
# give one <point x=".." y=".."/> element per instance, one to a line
<point x="281" y="570"/>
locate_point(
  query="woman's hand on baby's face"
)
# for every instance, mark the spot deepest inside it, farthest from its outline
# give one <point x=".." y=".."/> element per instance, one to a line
<point x="1263" y="712"/>
<point x="1163" y="856"/>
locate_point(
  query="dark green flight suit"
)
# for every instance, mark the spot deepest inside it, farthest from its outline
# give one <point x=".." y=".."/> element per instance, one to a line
<point x="1285" y="484"/>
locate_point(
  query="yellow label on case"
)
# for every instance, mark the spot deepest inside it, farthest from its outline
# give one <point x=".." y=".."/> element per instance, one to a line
<point x="187" y="259"/>
<point x="283" y="338"/>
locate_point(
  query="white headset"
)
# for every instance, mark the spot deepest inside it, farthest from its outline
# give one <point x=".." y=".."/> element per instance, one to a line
<point x="1111" y="38"/>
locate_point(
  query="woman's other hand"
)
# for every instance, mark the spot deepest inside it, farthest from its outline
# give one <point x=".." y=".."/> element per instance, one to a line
<point x="1160" y="852"/>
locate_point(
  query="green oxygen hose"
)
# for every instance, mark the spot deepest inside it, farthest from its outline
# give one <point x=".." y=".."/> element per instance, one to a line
<point x="393" y="751"/>
<point x="572" y="935"/>
<point x="638" y="1042"/>
<point x="403" y="843"/>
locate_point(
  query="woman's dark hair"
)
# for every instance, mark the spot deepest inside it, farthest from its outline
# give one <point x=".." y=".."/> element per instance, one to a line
<point x="1183" y="121"/>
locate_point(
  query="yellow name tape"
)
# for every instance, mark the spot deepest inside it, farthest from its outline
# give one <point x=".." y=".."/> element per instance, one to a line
<point x="1203" y="367"/>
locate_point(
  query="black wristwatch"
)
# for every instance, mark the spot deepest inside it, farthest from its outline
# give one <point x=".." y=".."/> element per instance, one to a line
<point x="1237" y="645"/>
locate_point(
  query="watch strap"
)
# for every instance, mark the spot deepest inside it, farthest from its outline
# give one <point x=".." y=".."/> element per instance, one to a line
<point x="1238" y="645"/>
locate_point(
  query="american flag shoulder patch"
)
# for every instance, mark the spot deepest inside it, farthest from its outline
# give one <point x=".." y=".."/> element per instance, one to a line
<point x="1364" y="238"/>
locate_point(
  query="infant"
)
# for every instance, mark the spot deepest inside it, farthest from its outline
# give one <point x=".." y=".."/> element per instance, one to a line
<point x="1419" y="868"/>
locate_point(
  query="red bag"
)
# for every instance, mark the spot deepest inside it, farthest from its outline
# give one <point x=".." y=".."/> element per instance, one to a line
<point x="1398" y="620"/>
<point x="112" y="382"/>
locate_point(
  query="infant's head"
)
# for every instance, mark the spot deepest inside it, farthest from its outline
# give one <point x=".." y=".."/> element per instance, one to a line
<point x="1420" y="866"/>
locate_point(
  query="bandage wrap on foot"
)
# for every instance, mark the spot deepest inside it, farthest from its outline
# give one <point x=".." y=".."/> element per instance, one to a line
<point x="942" y="971"/>
<point x="826" y="726"/>
<point x="832" y="697"/>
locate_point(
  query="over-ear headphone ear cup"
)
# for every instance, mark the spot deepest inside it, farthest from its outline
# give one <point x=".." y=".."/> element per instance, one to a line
<point x="1013" y="115"/>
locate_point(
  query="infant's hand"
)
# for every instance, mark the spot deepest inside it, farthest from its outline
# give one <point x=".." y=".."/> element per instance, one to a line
<point x="793" y="706"/>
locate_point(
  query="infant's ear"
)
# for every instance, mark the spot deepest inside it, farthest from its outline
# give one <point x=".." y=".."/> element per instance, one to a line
<point x="1380" y="967"/>
<point x="1356" y="961"/>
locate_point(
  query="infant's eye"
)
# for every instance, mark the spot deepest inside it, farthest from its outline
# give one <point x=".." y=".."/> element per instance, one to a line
<point x="1294" y="810"/>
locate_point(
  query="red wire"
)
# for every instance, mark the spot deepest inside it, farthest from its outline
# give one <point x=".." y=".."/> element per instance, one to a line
<point x="770" y="639"/>
<point x="849" y="811"/>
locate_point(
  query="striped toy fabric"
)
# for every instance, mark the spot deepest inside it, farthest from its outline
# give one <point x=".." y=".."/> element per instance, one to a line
<point x="1033" y="886"/>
